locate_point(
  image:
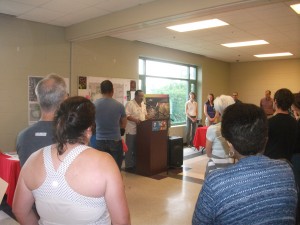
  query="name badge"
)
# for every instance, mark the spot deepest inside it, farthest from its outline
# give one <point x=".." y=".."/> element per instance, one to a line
<point x="41" y="134"/>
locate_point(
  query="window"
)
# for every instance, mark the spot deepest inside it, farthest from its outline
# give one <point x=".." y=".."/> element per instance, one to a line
<point x="176" y="80"/>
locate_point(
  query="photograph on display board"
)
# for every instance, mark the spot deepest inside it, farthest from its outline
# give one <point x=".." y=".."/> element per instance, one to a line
<point x="34" y="112"/>
<point x="159" y="125"/>
<point x="82" y="82"/>
<point x="158" y="106"/>
<point x="32" y="83"/>
<point x="132" y="85"/>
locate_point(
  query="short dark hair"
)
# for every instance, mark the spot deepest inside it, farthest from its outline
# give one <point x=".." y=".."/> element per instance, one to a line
<point x="72" y="118"/>
<point x="106" y="87"/>
<point x="245" y="127"/>
<point x="136" y="93"/>
<point x="284" y="98"/>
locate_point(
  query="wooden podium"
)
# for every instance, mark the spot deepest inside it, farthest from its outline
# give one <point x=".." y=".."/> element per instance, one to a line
<point x="152" y="147"/>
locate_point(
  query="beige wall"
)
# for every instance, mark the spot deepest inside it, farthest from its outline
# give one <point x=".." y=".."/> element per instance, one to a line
<point x="35" y="49"/>
<point x="216" y="80"/>
<point x="112" y="57"/>
<point x="26" y="48"/>
<point x="251" y="79"/>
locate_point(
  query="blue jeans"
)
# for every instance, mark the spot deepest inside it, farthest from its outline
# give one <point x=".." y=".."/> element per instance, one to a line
<point x="114" y="148"/>
<point x="190" y="133"/>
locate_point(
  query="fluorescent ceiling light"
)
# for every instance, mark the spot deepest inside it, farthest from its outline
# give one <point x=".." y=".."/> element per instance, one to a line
<point x="245" y="43"/>
<point x="198" y="25"/>
<point x="296" y="8"/>
<point x="274" y="55"/>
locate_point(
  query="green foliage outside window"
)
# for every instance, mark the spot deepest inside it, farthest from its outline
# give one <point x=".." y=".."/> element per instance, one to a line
<point x="177" y="88"/>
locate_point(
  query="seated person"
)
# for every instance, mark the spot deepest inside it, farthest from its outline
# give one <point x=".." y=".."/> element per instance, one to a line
<point x="255" y="190"/>
<point x="70" y="182"/>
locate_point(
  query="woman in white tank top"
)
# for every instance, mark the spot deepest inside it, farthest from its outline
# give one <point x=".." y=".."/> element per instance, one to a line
<point x="69" y="182"/>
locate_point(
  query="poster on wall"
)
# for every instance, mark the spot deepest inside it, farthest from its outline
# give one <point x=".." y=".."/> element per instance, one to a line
<point x="34" y="112"/>
<point x="89" y="87"/>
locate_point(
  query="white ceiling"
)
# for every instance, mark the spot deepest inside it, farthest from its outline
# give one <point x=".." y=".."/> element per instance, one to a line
<point x="273" y="21"/>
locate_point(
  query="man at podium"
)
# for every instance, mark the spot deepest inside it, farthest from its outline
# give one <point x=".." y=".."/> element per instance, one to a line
<point x="135" y="112"/>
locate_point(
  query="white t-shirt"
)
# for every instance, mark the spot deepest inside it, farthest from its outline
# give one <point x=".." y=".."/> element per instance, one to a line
<point x="137" y="112"/>
<point x="220" y="147"/>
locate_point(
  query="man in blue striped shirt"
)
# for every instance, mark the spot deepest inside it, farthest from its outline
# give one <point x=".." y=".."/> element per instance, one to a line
<point x="255" y="190"/>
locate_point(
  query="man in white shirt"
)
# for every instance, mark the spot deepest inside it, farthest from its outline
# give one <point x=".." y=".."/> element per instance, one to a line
<point x="135" y="112"/>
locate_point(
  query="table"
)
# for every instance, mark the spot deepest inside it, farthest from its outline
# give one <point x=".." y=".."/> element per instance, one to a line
<point x="200" y="138"/>
<point x="9" y="171"/>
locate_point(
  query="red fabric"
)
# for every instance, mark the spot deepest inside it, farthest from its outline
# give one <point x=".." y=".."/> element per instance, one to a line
<point x="125" y="148"/>
<point x="9" y="171"/>
<point x="200" y="137"/>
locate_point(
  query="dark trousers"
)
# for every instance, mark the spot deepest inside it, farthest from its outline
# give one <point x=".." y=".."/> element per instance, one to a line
<point x="190" y="132"/>
<point x="114" y="148"/>
<point x="130" y="155"/>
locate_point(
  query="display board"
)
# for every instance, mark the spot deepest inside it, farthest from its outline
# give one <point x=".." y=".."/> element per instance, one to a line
<point x="89" y="87"/>
<point x="158" y="106"/>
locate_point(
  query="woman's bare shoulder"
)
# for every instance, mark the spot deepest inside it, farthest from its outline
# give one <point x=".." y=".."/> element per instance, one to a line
<point x="35" y="159"/>
<point x="33" y="170"/>
<point x="96" y="158"/>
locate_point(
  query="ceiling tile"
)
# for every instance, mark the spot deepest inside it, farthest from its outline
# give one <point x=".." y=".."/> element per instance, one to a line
<point x="32" y="2"/>
<point x="13" y="8"/>
<point x="76" y="17"/>
<point x="273" y="21"/>
<point x="41" y="15"/>
<point x="64" y="6"/>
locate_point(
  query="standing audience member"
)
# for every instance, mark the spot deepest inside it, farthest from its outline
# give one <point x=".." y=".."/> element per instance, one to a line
<point x="69" y="182"/>
<point x="282" y="127"/>
<point x="209" y="110"/>
<point x="267" y="104"/>
<point x="110" y="123"/>
<point x="255" y="190"/>
<point x="216" y="147"/>
<point x="296" y="155"/>
<point x="136" y="112"/>
<point x="235" y="97"/>
<point x="50" y="91"/>
<point x="296" y="107"/>
<point x="191" y="111"/>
